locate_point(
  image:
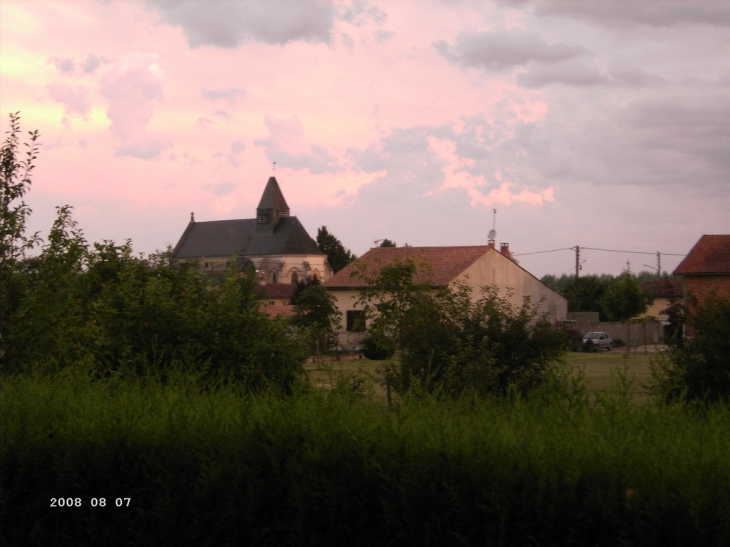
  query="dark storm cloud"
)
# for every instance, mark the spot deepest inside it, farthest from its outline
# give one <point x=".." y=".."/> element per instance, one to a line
<point x="504" y="49"/>
<point x="227" y="24"/>
<point x="674" y="145"/>
<point x="621" y="13"/>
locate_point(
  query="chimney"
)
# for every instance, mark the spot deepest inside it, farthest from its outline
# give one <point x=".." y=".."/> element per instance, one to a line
<point x="504" y="249"/>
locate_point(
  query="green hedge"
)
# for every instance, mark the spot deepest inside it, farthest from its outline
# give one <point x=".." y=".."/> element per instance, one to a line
<point x="222" y="467"/>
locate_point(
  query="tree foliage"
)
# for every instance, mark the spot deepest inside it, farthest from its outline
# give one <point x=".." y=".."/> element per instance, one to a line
<point x="15" y="180"/>
<point x="387" y="243"/>
<point x="449" y="341"/>
<point x="102" y="306"/>
<point x="700" y="370"/>
<point x="614" y="298"/>
<point x="337" y="255"/>
<point x="315" y="311"/>
<point x="623" y="298"/>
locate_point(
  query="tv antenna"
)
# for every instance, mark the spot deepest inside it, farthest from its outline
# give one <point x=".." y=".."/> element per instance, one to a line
<point x="493" y="232"/>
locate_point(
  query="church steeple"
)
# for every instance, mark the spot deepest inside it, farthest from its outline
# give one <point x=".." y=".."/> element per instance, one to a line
<point x="272" y="207"/>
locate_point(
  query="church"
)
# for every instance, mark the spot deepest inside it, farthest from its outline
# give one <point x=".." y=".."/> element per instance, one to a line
<point x="274" y="243"/>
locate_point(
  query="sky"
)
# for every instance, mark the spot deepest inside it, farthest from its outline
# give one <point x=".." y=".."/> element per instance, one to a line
<point x="601" y="124"/>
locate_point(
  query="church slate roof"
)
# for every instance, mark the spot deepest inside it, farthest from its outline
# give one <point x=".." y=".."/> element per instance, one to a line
<point x="223" y="238"/>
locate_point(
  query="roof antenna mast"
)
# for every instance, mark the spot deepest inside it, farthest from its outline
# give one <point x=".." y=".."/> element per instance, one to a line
<point x="493" y="232"/>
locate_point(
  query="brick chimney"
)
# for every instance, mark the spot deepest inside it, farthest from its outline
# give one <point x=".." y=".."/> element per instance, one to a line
<point x="504" y="249"/>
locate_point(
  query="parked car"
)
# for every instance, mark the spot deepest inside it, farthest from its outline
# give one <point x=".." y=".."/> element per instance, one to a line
<point x="593" y="341"/>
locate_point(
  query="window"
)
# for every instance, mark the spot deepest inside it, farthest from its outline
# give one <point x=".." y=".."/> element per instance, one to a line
<point x="355" y="321"/>
<point x="264" y="218"/>
<point x="274" y="278"/>
<point x="295" y="278"/>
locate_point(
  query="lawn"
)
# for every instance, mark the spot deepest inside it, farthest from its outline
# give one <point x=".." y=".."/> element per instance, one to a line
<point x="600" y="369"/>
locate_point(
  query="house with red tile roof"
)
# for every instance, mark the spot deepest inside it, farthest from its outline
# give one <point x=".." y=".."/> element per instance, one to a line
<point x="476" y="266"/>
<point x="706" y="269"/>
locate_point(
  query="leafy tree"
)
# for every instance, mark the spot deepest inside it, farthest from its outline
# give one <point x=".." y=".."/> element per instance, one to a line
<point x="449" y="342"/>
<point x="337" y="255"/>
<point x="623" y="298"/>
<point x="15" y="180"/>
<point x="315" y="310"/>
<point x="700" y="371"/>
<point x="387" y="243"/>
<point x="586" y="294"/>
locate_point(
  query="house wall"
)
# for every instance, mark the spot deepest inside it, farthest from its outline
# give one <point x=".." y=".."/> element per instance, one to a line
<point x="490" y="269"/>
<point x="495" y="269"/>
<point x="701" y="286"/>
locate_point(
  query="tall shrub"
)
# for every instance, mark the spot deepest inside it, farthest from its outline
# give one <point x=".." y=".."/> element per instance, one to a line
<point x="700" y="370"/>
<point x="451" y="342"/>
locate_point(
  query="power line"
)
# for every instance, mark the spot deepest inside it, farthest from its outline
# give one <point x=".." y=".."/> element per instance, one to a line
<point x="540" y="252"/>
<point x="596" y="249"/>
<point x="632" y="252"/>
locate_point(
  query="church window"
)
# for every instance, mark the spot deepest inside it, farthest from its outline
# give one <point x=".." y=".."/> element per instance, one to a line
<point x="274" y="277"/>
<point x="264" y="218"/>
<point x="295" y="278"/>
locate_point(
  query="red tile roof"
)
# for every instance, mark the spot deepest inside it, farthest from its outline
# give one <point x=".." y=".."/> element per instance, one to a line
<point x="446" y="263"/>
<point x="279" y="290"/>
<point x="284" y="310"/>
<point x="710" y="255"/>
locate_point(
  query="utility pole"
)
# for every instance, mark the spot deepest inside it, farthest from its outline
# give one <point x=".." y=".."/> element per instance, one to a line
<point x="659" y="263"/>
<point x="577" y="261"/>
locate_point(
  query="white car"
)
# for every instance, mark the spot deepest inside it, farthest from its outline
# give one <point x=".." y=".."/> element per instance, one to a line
<point x="593" y="341"/>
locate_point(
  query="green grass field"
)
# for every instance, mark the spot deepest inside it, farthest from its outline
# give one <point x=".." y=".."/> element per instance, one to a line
<point x="600" y="371"/>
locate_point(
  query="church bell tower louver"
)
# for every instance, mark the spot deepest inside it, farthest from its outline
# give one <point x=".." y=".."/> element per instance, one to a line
<point x="272" y="207"/>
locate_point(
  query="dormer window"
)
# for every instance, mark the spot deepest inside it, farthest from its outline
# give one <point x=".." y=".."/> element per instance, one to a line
<point x="264" y="218"/>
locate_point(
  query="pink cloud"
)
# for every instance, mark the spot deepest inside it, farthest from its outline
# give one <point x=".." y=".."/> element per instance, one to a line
<point x="75" y="100"/>
<point x="287" y="147"/>
<point x="133" y="88"/>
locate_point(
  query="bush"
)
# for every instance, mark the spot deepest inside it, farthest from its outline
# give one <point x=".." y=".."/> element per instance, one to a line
<point x="451" y="344"/>
<point x="618" y="343"/>
<point x="377" y="351"/>
<point x="700" y="371"/>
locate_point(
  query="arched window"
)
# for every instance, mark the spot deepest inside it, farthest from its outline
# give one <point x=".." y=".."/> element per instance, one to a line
<point x="274" y="277"/>
<point x="295" y="278"/>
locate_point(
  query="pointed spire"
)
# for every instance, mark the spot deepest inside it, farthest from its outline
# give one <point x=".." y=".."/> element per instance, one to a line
<point x="273" y="198"/>
<point x="272" y="207"/>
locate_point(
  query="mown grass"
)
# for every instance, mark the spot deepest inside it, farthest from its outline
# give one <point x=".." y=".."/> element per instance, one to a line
<point x="222" y="467"/>
<point x="600" y="372"/>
